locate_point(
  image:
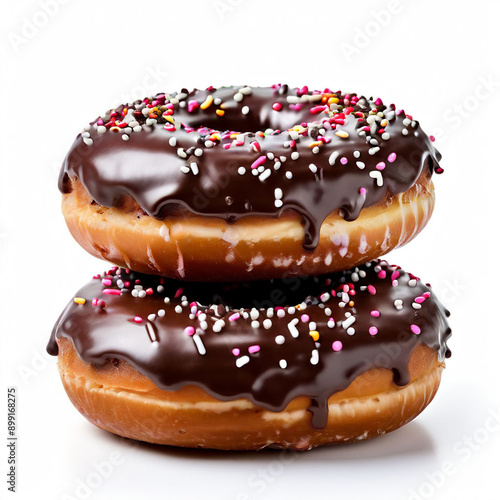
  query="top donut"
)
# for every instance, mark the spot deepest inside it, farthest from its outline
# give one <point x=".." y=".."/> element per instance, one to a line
<point x="244" y="183"/>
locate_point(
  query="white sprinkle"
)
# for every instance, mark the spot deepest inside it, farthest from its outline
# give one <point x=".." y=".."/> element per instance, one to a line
<point x="416" y="306"/>
<point x="264" y="175"/>
<point x="217" y="101"/>
<point x="238" y="97"/>
<point x="166" y="300"/>
<point x="101" y="129"/>
<point x="404" y="131"/>
<point x="292" y="328"/>
<point x="314" y="357"/>
<point x="88" y="141"/>
<point x="315" y="150"/>
<point x="312" y="326"/>
<point x="295" y="155"/>
<point x="199" y="344"/>
<point x="254" y="313"/>
<point x="356" y="154"/>
<point x="377" y="175"/>
<point x="348" y="322"/>
<point x="278" y="193"/>
<point x="278" y="203"/>
<point x="204" y="325"/>
<point x="178" y="309"/>
<point x="355" y="277"/>
<point x="288" y="175"/>
<point x="412" y="283"/>
<point x="142" y="294"/>
<point x="255" y="324"/>
<point x="281" y="313"/>
<point x="333" y="157"/>
<point x="313" y="168"/>
<point x="279" y="339"/>
<point x="242" y="170"/>
<point x="283" y="363"/>
<point x="173" y="142"/>
<point x="330" y="323"/>
<point x="185" y="169"/>
<point x="245" y="110"/>
<point x="242" y="361"/>
<point x="198" y="152"/>
<point x="246" y="90"/>
<point x="160" y="288"/>
<point x="267" y="323"/>
<point x="374" y="150"/>
<point x="386" y="136"/>
<point x="360" y="165"/>
<point x="270" y="156"/>
<point x="351" y="331"/>
<point x="181" y="153"/>
<point x="151" y="332"/>
<point x="194" y="168"/>
<point x="328" y="311"/>
<point x="152" y="317"/>
<point x="398" y="304"/>
<point x="291" y="310"/>
<point x="161" y="313"/>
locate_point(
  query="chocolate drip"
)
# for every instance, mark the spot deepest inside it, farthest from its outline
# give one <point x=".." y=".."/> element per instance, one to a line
<point x="208" y="335"/>
<point x="319" y="160"/>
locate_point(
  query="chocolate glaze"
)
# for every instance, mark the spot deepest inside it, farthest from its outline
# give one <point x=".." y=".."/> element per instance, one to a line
<point x="101" y="332"/>
<point x="149" y="164"/>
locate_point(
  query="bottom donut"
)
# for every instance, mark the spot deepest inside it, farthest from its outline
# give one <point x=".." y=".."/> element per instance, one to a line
<point x="285" y="363"/>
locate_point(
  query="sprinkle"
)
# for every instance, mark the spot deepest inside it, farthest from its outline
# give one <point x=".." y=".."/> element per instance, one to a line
<point x="344" y="160"/>
<point x="304" y="318"/>
<point x="380" y="165"/>
<point x="313" y="168"/>
<point x="337" y="346"/>
<point x="207" y="102"/>
<point x="238" y="97"/>
<point x="314" y="335"/>
<point x="333" y="157"/>
<point x="371" y="289"/>
<point x="151" y="317"/>
<point x="314" y="357"/>
<point x="348" y="322"/>
<point x="138" y="319"/>
<point x="267" y="324"/>
<point x="292" y="328"/>
<point x="220" y="112"/>
<point x="277" y="106"/>
<point x="111" y="291"/>
<point x="253" y="349"/>
<point x="375" y="313"/>
<point x="415" y="329"/>
<point x="193" y="105"/>
<point x="283" y="363"/>
<point x="245" y="110"/>
<point x="295" y="155"/>
<point x="161" y="313"/>
<point x="264" y="175"/>
<point x="106" y="282"/>
<point x="342" y="133"/>
<point x="375" y="174"/>
<point x="259" y="161"/>
<point x="199" y="344"/>
<point x="398" y="304"/>
<point x="189" y="330"/>
<point x="373" y="330"/>
<point x="242" y="170"/>
<point x="242" y="361"/>
<point x="360" y="165"/>
<point x="279" y="339"/>
<point x="236" y="351"/>
<point x="392" y="157"/>
<point x="79" y="300"/>
<point x="178" y="293"/>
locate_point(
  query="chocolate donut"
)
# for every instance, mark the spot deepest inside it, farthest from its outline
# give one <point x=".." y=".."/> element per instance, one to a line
<point x="243" y="183"/>
<point x="300" y="361"/>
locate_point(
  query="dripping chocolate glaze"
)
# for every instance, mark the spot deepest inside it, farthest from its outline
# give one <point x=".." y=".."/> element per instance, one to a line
<point x="173" y="360"/>
<point x="148" y="165"/>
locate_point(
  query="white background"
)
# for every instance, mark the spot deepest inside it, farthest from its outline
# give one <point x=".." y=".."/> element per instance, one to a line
<point x="438" y="60"/>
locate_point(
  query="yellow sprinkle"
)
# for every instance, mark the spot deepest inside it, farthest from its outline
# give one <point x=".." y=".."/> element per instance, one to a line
<point x="169" y="119"/>
<point x="220" y="112"/>
<point x="314" y="144"/>
<point x="333" y="100"/>
<point x="79" y="300"/>
<point x="342" y="133"/>
<point x="207" y="102"/>
<point x="351" y="303"/>
<point x="314" y="334"/>
<point x="383" y="123"/>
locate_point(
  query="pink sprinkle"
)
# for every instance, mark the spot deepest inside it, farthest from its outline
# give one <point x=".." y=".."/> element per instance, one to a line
<point x="226" y="146"/>
<point x="178" y="292"/>
<point x="394" y="275"/>
<point x="292" y="143"/>
<point x="111" y="291"/>
<point x="382" y="274"/>
<point x="259" y="161"/>
<point x="371" y="289"/>
<point x="253" y="349"/>
<point x="189" y="330"/>
<point x="95" y="301"/>
<point x="426" y="294"/>
<point x="317" y="109"/>
<point x="337" y="346"/>
<point x="392" y="157"/>
<point x="234" y="317"/>
<point x="107" y="282"/>
<point x="415" y="329"/>
<point x="362" y="191"/>
<point x="375" y="313"/>
<point x="344" y="160"/>
<point x="236" y="351"/>
<point x="373" y="330"/>
<point x="432" y="138"/>
<point x="380" y="166"/>
<point x="304" y="318"/>
<point x="192" y="105"/>
<point x="277" y="106"/>
<point x="255" y="145"/>
<point x="419" y="300"/>
<point x="138" y="319"/>
<point x="126" y="284"/>
<point x="378" y="102"/>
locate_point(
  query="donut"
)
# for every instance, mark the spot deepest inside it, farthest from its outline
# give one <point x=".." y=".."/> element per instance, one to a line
<point x="241" y="183"/>
<point x="292" y="363"/>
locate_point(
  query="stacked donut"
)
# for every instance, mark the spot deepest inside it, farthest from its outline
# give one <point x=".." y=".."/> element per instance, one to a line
<point x="244" y="308"/>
